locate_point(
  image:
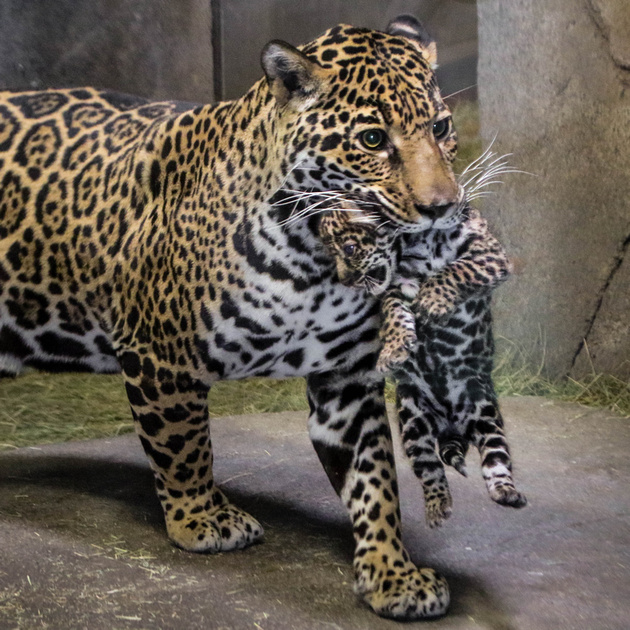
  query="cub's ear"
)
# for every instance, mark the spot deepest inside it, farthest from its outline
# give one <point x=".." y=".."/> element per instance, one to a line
<point x="293" y="78"/>
<point x="407" y="26"/>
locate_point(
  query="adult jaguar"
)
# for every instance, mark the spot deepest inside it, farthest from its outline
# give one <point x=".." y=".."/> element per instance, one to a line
<point x="139" y="237"/>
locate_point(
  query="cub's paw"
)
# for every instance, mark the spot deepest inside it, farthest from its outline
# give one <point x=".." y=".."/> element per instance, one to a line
<point x="390" y="357"/>
<point x="508" y="495"/>
<point x="404" y="593"/>
<point x="433" y="306"/>
<point x="437" y="510"/>
<point x="438" y="501"/>
<point x="396" y="350"/>
<point x="222" y="529"/>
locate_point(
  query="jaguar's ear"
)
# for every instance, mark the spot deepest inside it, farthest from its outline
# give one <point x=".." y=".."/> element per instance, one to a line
<point x="293" y="77"/>
<point x="407" y="26"/>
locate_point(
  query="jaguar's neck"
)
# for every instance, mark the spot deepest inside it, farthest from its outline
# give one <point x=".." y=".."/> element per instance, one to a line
<point x="230" y="149"/>
<point x="223" y="165"/>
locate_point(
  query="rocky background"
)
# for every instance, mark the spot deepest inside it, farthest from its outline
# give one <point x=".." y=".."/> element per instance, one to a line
<point x="554" y="88"/>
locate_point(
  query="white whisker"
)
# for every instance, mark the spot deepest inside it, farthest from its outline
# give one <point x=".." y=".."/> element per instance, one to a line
<point x="296" y="166"/>
<point x="470" y="87"/>
<point x="484" y="167"/>
<point x="484" y="172"/>
<point x="478" y="195"/>
<point x="482" y="158"/>
<point x="364" y="218"/>
<point x="305" y="212"/>
<point x="299" y="195"/>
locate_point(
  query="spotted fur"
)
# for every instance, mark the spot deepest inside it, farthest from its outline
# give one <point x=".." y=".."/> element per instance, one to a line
<point x="437" y="339"/>
<point x="181" y="245"/>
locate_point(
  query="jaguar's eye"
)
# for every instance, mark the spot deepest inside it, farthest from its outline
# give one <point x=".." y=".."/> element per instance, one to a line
<point x="373" y="139"/>
<point x="349" y="249"/>
<point x="441" y="128"/>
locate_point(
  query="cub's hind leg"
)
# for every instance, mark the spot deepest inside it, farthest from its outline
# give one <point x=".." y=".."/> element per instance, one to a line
<point x="419" y="436"/>
<point x="487" y="433"/>
<point x="171" y="413"/>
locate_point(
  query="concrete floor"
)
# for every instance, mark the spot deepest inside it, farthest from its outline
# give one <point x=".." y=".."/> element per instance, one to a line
<point x="82" y="543"/>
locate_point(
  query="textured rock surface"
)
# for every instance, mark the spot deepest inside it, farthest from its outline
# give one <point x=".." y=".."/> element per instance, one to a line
<point x="554" y="88"/>
<point x="199" y="50"/>
<point x="246" y="26"/>
<point x="154" y="48"/>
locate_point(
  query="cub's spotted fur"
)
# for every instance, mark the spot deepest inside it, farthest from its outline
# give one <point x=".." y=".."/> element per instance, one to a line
<point x="437" y="339"/>
<point x="164" y="242"/>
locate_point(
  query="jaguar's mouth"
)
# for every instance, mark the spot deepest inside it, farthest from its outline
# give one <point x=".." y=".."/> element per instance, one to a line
<point x="377" y="280"/>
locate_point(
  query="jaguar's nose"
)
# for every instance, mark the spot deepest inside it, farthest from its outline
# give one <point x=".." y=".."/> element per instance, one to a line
<point x="435" y="211"/>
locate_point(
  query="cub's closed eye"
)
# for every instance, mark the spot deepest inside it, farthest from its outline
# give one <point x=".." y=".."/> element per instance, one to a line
<point x="373" y="139"/>
<point x="441" y="128"/>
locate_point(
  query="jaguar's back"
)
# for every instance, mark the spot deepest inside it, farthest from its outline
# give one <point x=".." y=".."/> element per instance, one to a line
<point x="68" y="197"/>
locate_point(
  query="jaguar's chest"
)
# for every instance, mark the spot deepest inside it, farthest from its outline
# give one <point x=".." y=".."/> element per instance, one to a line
<point x="273" y="331"/>
<point x="427" y="253"/>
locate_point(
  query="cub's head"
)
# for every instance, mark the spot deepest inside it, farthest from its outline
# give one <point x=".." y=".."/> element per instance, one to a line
<point x="365" y="257"/>
<point x="360" y="111"/>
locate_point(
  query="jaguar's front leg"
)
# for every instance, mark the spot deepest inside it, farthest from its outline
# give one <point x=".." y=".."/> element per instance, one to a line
<point x="349" y="429"/>
<point x="171" y="413"/>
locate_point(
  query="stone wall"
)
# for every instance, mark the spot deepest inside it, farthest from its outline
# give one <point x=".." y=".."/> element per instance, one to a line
<point x="199" y="50"/>
<point x="246" y="26"/>
<point x="154" y="48"/>
<point x="554" y="88"/>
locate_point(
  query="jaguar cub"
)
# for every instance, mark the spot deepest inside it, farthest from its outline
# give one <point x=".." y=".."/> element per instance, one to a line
<point x="437" y="340"/>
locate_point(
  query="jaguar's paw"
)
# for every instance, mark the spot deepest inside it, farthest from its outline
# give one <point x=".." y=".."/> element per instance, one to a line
<point x="222" y="529"/>
<point x="404" y="593"/>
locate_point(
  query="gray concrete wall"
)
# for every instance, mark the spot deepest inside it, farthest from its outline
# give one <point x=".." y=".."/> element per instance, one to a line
<point x="199" y="50"/>
<point x="554" y="87"/>
<point x="246" y="26"/>
<point x="154" y="48"/>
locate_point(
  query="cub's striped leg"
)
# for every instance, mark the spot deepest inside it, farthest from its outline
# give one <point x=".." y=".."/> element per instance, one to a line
<point x="171" y="413"/>
<point x="487" y="433"/>
<point x="349" y="429"/>
<point x="398" y="331"/>
<point x="419" y="436"/>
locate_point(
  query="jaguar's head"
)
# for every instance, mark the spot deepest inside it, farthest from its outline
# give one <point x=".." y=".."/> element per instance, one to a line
<point x="359" y="111"/>
<point x="365" y="253"/>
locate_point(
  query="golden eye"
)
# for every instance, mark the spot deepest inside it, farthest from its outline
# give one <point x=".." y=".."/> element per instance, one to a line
<point x="373" y="139"/>
<point x="441" y="128"/>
